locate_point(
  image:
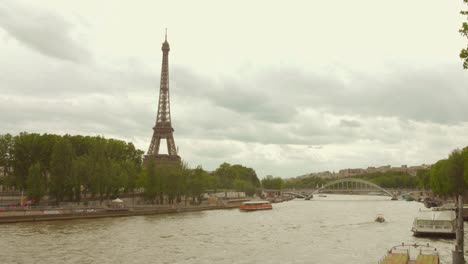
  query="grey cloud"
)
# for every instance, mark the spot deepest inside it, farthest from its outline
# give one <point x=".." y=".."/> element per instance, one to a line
<point x="436" y="95"/>
<point x="83" y="115"/>
<point x="44" y="31"/>
<point x="46" y="80"/>
<point x="381" y="108"/>
<point x="244" y="97"/>
<point x="349" y="123"/>
<point x="427" y="94"/>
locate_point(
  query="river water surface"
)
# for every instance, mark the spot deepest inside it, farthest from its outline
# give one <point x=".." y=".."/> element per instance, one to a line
<point x="328" y="230"/>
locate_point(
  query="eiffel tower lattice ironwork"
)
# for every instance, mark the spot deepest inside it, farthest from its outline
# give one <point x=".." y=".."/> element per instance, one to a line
<point x="163" y="128"/>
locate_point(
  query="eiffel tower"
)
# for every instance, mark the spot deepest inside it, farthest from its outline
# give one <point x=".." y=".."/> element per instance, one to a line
<point x="163" y="128"/>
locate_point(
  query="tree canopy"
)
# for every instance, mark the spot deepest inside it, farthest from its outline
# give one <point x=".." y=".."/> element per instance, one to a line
<point x="450" y="176"/>
<point x="69" y="165"/>
<point x="275" y="183"/>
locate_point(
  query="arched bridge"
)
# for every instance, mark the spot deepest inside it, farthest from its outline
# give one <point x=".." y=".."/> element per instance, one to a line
<point x="296" y="194"/>
<point x="351" y="184"/>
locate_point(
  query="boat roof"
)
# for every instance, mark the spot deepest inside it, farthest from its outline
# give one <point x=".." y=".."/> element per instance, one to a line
<point x="427" y="259"/>
<point x="436" y="215"/>
<point x="396" y="258"/>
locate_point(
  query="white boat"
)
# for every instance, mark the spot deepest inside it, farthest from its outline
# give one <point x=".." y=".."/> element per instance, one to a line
<point x="435" y="222"/>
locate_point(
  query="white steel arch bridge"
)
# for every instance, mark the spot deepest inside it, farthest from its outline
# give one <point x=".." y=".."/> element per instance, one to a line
<point x="346" y="184"/>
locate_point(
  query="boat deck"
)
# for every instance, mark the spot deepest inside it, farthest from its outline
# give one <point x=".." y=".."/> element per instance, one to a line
<point x="403" y="258"/>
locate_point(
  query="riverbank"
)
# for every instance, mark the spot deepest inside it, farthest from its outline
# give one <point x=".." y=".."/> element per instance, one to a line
<point x="51" y="214"/>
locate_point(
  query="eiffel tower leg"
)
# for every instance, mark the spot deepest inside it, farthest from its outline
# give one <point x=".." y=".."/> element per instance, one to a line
<point x="154" y="146"/>
<point x="151" y="146"/>
<point x="171" y="147"/>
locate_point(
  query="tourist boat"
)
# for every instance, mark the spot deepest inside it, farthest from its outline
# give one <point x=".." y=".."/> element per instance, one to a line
<point x="255" y="205"/>
<point x="322" y="195"/>
<point x="380" y="218"/>
<point x="436" y="222"/>
<point x="411" y="254"/>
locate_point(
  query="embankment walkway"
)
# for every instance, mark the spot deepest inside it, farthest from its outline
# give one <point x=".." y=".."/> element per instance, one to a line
<point x="33" y="215"/>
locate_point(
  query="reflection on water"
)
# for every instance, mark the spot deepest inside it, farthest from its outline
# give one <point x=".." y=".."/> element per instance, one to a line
<point x="333" y="229"/>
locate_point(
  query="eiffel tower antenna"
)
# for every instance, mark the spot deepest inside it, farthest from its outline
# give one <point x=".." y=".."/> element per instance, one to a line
<point x="163" y="127"/>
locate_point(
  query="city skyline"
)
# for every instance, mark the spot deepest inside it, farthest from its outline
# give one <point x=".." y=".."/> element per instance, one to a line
<point x="333" y="86"/>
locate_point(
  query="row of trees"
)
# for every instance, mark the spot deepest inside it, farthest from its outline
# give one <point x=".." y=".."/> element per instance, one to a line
<point x="73" y="167"/>
<point x="68" y="167"/>
<point x="178" y="182"/>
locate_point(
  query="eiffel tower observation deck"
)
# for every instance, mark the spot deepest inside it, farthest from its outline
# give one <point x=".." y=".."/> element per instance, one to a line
<point x="163" y="128"/>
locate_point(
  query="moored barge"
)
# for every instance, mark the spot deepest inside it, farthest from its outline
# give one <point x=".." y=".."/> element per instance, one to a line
<point x="435" y="222"/>
<point x="411" y="254"/>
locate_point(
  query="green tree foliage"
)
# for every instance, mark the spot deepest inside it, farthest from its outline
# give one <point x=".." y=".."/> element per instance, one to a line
<point x="439" y="180"/>
<point x="424" y="176"/>
<point x="455" y="172"/>
<point x="81" y="176"/>
<point x="236" y="177"/>
<point x="36" y="181"/>
<point x="274" y="183"/>
<point x="464" y="154"/>
<point x="450" y="176"/>
<point x="152" y="182"/>
<point x="464" y="31"/>
<point x="98" y="166"/>
<point x="27" y="151"/>
<point x="167" y="180"/>
<point x="61" y="182"/>
<point x="197" y="182"/>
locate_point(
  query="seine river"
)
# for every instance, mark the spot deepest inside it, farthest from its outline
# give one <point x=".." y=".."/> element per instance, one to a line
<point x="333" y="229"/>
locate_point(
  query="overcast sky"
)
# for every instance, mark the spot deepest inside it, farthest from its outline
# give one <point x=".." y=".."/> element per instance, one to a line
<point x="285" y="87"/>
